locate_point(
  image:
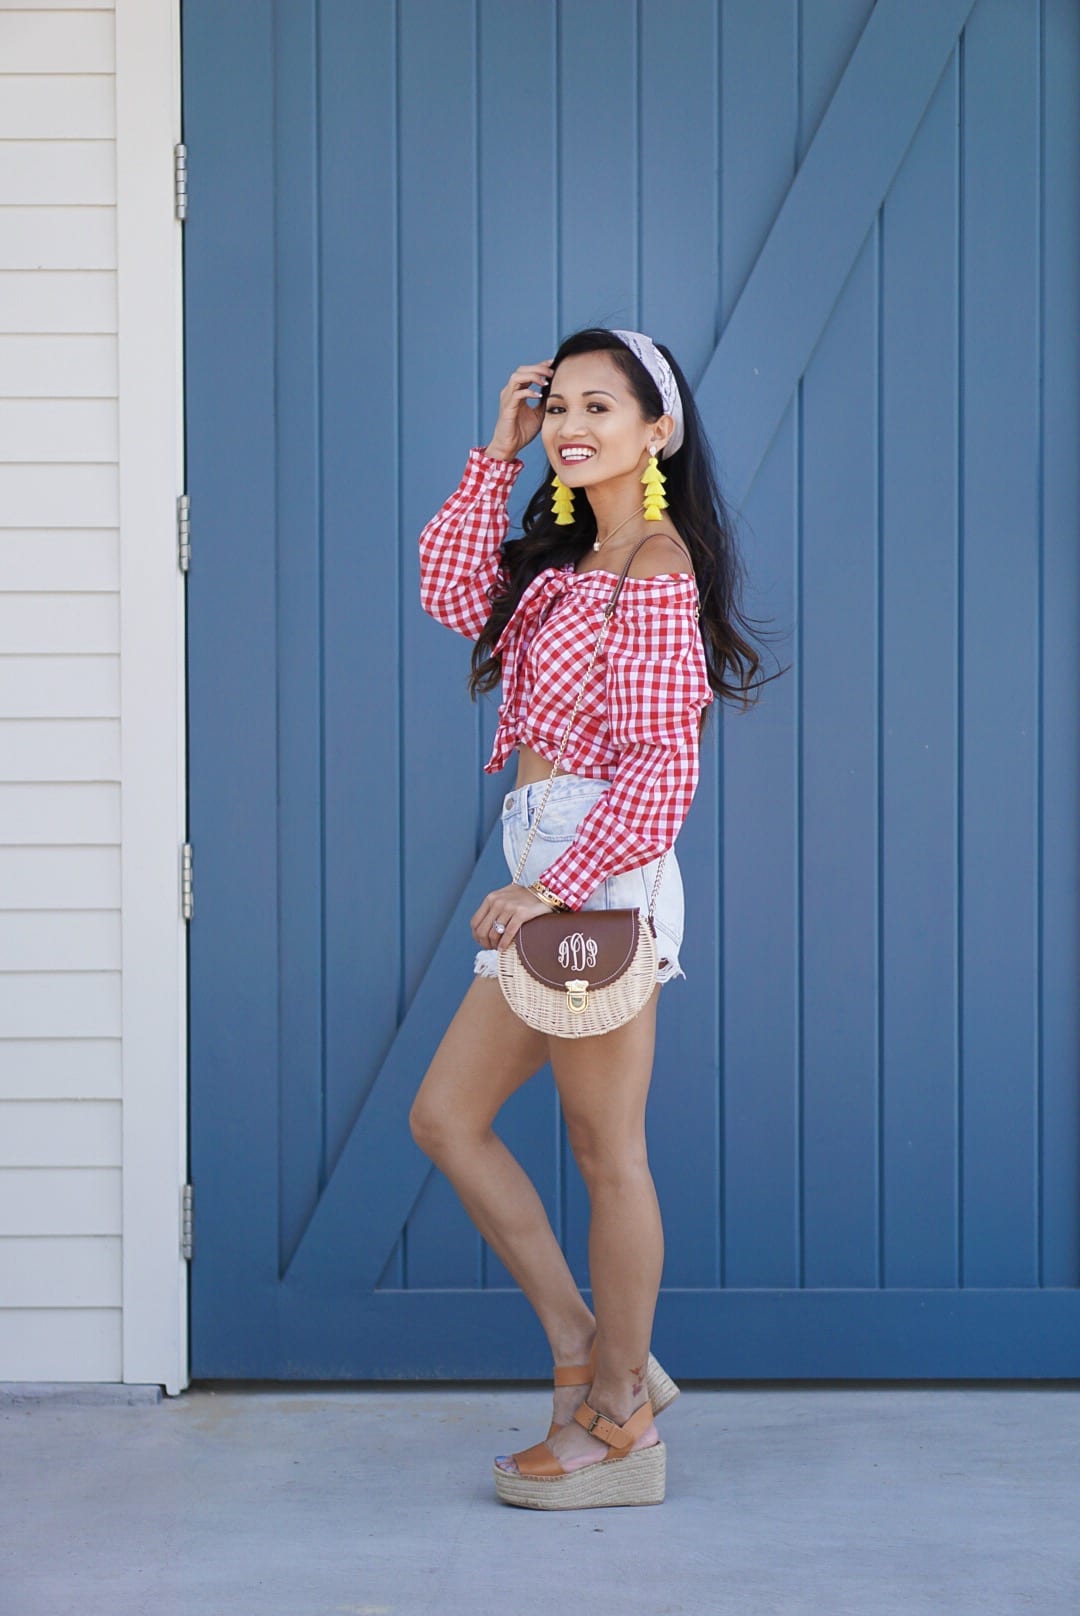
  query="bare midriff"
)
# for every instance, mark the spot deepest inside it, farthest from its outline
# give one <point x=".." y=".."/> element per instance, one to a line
<point x="531" y="766"/>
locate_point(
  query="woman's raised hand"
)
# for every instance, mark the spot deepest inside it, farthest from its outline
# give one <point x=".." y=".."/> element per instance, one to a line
<point x="520" y="415"/>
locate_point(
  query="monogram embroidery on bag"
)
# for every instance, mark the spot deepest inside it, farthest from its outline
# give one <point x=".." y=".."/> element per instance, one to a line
<point x="577" y="952"/>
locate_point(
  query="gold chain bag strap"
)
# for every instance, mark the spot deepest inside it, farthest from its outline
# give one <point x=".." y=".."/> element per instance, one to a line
<point x="576" y="974"/>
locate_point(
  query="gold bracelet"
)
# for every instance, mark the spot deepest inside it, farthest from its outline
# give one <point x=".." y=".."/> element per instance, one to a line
<point x="549" y="897"/>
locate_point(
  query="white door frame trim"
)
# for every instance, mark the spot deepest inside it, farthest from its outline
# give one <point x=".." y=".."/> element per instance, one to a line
<point x="152" y="693"/>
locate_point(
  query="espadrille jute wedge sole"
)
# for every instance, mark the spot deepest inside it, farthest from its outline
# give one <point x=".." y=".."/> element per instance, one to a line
<point x="640" y="1478"/>
<point x="660" y="1386"/>
<point x="627" y="1476"/>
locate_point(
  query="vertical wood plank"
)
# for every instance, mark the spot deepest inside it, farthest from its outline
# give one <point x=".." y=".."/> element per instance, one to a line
<point x="999" y="650"/>
<point x="299" y="556"/>
<point x="760" y="786"/>
<point x="362" y="600"/>
<point x="919" y="658"/>
<point x="596" y="165"/>
<point x="230" y="319"/>
<point x="838" y="798"/>
<point x="1059" y="672"/>
<point x="440" y="417"/>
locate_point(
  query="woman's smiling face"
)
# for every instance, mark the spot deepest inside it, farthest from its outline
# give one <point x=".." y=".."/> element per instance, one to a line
<point x="590" y="404"/>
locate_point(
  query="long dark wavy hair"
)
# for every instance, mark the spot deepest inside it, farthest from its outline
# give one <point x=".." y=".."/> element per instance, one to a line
<point x="699" y="514"/>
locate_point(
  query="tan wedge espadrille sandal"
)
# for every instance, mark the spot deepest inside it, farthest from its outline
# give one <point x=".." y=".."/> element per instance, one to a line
<point x="628" y="1475"/>
<point x="661" y="1388"/>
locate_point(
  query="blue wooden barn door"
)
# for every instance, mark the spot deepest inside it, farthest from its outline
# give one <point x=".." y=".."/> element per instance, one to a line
<point x="856" y="225"/>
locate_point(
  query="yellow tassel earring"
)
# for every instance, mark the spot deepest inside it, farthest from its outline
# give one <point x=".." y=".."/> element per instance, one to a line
<point x="654" y="481"/>
<point x="563" y="504"/>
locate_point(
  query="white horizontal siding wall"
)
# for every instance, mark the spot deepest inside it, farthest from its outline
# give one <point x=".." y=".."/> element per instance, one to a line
<point x="65" y="929"/>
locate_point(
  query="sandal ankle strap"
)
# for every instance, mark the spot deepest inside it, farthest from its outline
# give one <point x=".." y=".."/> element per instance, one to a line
<point x="578" y="1374"/>
<point x="619" y="1437"/>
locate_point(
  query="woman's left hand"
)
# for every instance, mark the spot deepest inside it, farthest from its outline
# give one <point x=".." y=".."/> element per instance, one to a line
<point x="512" y="905"/>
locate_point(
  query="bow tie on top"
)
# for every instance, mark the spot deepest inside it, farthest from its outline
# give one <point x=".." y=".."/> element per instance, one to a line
<point x="542" y="592"/>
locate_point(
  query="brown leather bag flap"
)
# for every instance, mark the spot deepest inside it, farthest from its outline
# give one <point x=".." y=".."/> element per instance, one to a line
<point x="591" y="945"/>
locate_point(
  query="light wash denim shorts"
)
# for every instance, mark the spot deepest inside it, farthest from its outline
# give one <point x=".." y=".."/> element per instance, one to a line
<point x="572" y="795"/>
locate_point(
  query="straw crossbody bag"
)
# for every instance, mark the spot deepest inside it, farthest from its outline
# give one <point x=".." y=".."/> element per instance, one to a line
<point x="573" y="974"/>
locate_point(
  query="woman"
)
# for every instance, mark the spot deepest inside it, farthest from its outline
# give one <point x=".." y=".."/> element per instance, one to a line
<point x="609" y="407"/>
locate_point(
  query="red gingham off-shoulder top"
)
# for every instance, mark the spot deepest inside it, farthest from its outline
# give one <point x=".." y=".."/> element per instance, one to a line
<point x="638" y="722"/>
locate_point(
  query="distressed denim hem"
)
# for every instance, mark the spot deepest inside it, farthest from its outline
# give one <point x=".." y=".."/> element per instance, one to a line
<point x="486" y="962"/>
<point x="668" y="971"/>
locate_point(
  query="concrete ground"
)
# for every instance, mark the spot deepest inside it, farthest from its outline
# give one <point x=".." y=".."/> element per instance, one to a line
<point x="818" y="1500"/>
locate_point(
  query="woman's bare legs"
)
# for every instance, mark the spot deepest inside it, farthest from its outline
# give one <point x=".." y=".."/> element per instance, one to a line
<point x="487" y="1053"/>
<point x="603" y="1084"/>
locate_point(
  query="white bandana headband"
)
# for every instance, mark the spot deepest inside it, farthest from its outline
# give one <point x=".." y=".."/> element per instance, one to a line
<point x="664" y="377"/>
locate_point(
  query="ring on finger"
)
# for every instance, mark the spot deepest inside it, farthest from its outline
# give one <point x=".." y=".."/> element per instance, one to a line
<point x="498" y="926"/>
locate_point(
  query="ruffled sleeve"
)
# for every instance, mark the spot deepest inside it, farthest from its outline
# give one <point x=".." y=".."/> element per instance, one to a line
<point x="459" y="547"/>
<point x="656" y="685"/>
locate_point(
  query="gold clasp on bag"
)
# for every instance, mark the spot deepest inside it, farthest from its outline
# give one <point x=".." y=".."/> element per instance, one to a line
<point x="577" y="996"/>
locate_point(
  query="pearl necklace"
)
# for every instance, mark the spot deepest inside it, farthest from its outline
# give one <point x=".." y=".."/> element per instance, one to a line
<point x="598" y="544"/>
